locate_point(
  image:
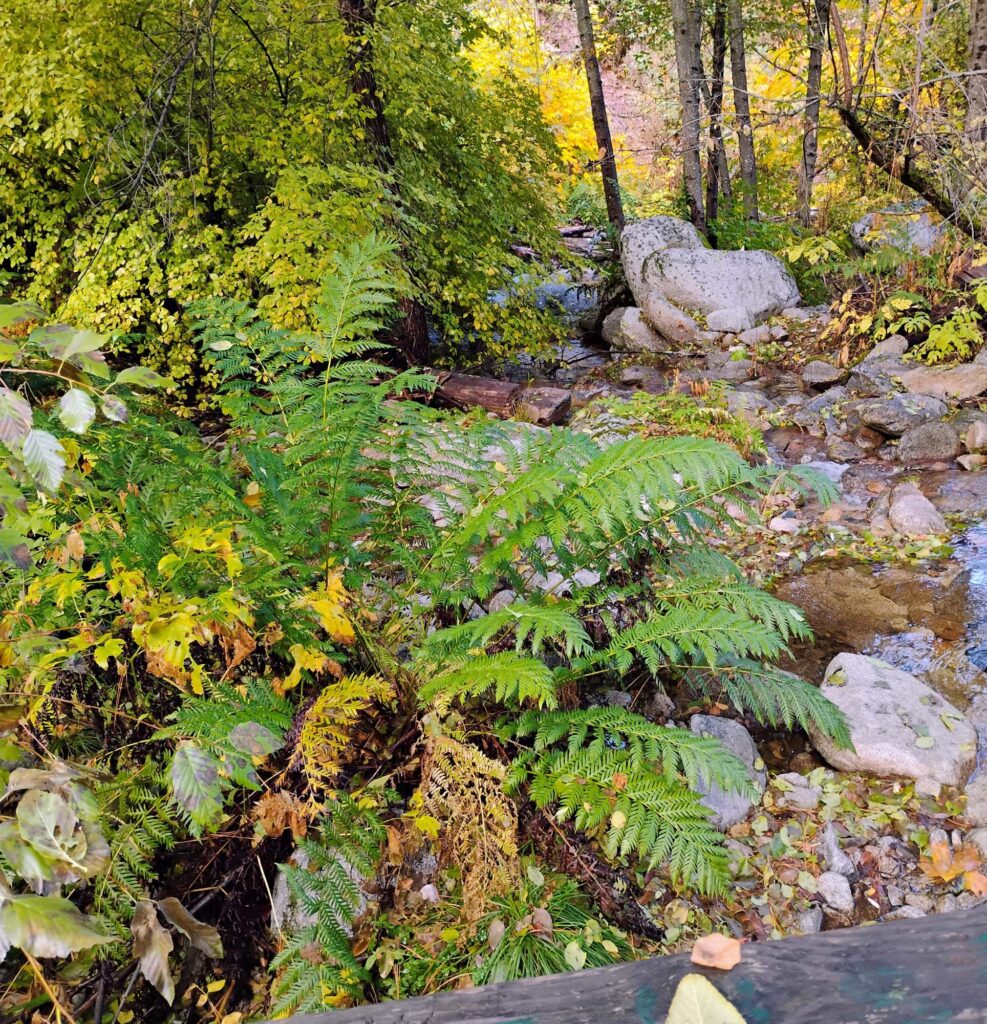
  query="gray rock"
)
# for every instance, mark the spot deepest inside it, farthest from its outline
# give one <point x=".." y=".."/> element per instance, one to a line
<point x="976" y="437"/>
<point x="833" y="857"/>
<point x="912" y="514"/>
<point x="835" y="890"/>
<point x="874" y="378"/>
<point x="894" y="345"/>
<point x="611" y="324"/>
<point x="755" y="336"/>
<point x="752" y="406"/>
<point x="670" y="322"/>
<point x="972" y="462"/>
<point x="820" y="374"/>
<point x="976" y="801"/>
<point x="831" y="470"/>
<point x="733" y="371"/>
<point x="907" y="226"/>
<point x="821" y="411"/>
<point x="665" y="261"/>
<point x="929" y="442"/>
<point x="978" y="837"/>
<point x="730" y="321"/>
<point x="809" y="922"/>
<point x="903" y="914"/>
<point x="631" y="333"/>
<point x="980" y="359"/>
<point x="957" y="382"/>
<point x="897" y="724"/>
<point x="501" y="600"/>
<point x="729" y="808"/>
<point x="893" y="416"/>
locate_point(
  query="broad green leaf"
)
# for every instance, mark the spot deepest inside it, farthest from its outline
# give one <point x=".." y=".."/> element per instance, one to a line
<point x="114" y="409"/>
<point x="142" y="377"/>
<point x="696" y="1001"/>
<point x="15" y="417"/>
<point x="575" y="956"/>
<point x="254" y="739"/>
<point x="152" y="946"/>
<point x="32" y="866"/>
<point x="76" y="410"/>
<point x="48" y="822"/>
<point x="195" y="782"/>
<point x="58" y="775"/>
<point x="203" y="936"/>
<point x="17" y="312"/>
<point x="44" y="457"/>
<point x="47" y="926"/>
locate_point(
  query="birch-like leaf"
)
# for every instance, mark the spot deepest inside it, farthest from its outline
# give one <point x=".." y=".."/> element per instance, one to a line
<point x="76" y="410"/>
<point x="142" y="377"/>
<point x="45" y="459"/>
<point x="48" y="823"/>
<point x="115" y="409"/>
<point x="47" y="926"/>
<point x="696" y="1001"/>
<point x="202" y="936"/>
<point x="195" y="783"/>
<point x="152" y="946"/>
<point x="15" y="417"/>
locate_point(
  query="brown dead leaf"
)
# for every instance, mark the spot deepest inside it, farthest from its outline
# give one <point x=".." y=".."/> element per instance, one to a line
<point x="275" y="812"/>
<point x="943" y="864"/>
<point x="976" y="883"/>
<point x="717" y="951"/>
<point x="619" y="781"/>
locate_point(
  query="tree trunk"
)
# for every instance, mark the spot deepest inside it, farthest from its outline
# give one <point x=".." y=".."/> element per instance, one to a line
<point x="976" y="104"/>
<point x="359" y="17"/>
<point x="686" y="27"/>
<point x="818" y="24"/>
<point x="717" y="170"/>
<point x="601" y="125"/>
<point x="742" y="108"/>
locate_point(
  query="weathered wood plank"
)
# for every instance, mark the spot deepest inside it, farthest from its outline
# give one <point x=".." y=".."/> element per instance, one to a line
<point x="927" y="971"/>
<point x="537" y="403"/>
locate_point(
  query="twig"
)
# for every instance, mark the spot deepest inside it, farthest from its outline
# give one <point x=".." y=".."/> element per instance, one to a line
<point x="40" y="975"/>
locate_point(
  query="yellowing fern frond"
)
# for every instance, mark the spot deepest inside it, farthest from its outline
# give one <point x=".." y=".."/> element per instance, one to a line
<point x="327" y="729"/>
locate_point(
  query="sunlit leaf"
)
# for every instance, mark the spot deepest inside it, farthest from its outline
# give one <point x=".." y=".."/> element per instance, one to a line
<point x="696" y="1001"/>
<point x="76" y="410"/>
<point x="45" y="459"/>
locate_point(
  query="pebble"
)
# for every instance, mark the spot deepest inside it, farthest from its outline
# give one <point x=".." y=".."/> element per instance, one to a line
<point x="903" y="913"/>
<point x="835" y="890"/>
<point x="809" y="922"/>
<point x="833" y="856"/>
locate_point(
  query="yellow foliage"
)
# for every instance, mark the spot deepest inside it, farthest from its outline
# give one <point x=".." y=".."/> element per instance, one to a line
<point x="328" y="605"/>
<point x="327" y="728"/>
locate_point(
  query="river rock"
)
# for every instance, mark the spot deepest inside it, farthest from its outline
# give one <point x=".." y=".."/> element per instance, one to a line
<point x="893" y="345"/>
<point x="845" y="605"/>
<point x="670" y="322"/>
<point x="907" y="226"/>
<point x="664" y="260"/>
<point x="835" y="891"/>
<point x="820" y="412"/>
<point x="730" y="321"/>
<point x="629" y="332"/>
<point x="897" y="724"/>
<point x="929" y="442"/>
<point x="729" y="808"/>
<point x="976" y="437"/>
<point x="972" y="462"/>
<point x="976" y="801"/>
<point x="893" y="416"/>
<point x="958" y="382"/>
<point x="912" y="514"/>
<point x="819" y="374"/>
<point x="834" y="858"/>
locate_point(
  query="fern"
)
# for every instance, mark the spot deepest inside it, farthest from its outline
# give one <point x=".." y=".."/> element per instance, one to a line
<point x="317" y="968"/>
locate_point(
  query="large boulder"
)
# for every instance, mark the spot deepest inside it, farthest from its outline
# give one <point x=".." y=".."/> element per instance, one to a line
<point x="893" y="416"/>
<point x="906" y="226"/>
<point x="898" y="725"/>
<point x="626" y="331"/>
<point x="929" y="442"/>
<point x="912" y="514"/>
<point x="665" y="262"/>
<point x="729" y="808"/>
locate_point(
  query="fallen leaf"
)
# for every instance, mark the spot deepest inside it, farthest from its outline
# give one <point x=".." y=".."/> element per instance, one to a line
<point x="717" y="951"/>
<point x="696" y="1001"/>
<point x="152" y="946"/>
<point x="976" y="883"/>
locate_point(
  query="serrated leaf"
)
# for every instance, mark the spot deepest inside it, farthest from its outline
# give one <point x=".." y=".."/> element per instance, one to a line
<point x="152" y="946"/>
<point x="44" y="458"/>
<point x="203" y="936"/>
<point x="254" y="739"/>
<point x="114" y="409"/>
<point x="195" y="784"/>
<point x="48" y="822"/>
<point x="142" y="377"/>
<point x="47" y="926"/>
<point x="696" y="1001"/>
<point x="15" y="417"/>
<point x="76" y="410"/>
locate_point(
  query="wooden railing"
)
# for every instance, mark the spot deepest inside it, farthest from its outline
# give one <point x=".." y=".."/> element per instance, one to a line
<point x="930" y="970"/>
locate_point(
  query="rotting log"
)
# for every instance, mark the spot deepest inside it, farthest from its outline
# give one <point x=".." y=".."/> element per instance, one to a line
<point x="538" y="404"/>
<point x="930" y="970"/>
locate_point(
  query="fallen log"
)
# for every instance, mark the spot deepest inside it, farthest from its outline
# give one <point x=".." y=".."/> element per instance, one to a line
<point x="536" y="403"/>
<point x="930" y="970"/>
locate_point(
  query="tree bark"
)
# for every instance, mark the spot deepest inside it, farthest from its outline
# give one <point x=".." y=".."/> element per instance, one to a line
<point x="686" y="28"/>
<point x="717" y="169"/>
<point x="359" y="18"/>
<point x="976" y="104"/>
<point x="601" y="124"/>
<point x="742" y="108"/>
<point x="818" y="24"/>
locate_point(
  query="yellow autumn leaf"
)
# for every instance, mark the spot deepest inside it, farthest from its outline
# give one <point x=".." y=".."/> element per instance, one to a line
<point x="696" y="1001"/>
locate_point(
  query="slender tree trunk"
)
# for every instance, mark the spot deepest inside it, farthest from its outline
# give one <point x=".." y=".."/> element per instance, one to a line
<point x="717" y="170"/>
<point x="601" y="124"/>
<point x="359" y="18"/>
<point x="742" y="107"/>
<point x="818" y="23"/>
<point x="976" y="107"/>
<point x="686" y="27"/>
